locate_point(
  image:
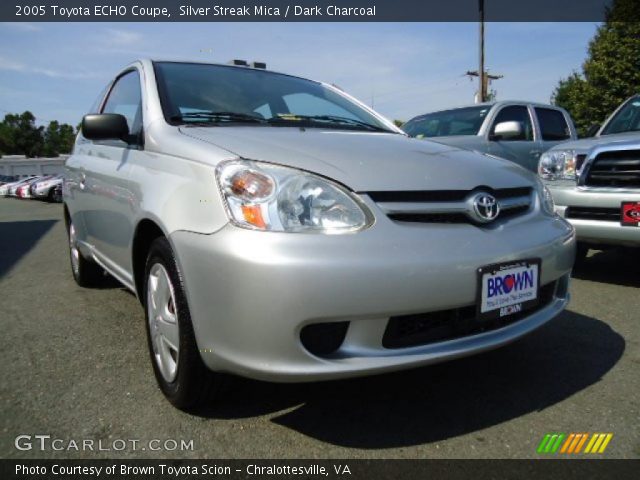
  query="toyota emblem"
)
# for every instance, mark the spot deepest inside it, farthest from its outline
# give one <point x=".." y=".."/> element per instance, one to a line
<point x="485" y="207"/>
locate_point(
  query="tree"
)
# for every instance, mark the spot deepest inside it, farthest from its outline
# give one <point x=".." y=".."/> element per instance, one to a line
<point x="6" y="139"/>
<point x="610" y="74"/>
<point x="52" y="139"/>
<point x="19" y="135"/>
<point x="23" y="137"/>
<point x="67" y="138"/>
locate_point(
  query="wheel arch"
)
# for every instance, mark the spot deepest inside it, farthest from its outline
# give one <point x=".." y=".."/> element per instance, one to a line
<point x="147" y="230"/>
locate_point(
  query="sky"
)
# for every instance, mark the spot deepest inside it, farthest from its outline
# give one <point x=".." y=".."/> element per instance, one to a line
<point x="56" y="70"/>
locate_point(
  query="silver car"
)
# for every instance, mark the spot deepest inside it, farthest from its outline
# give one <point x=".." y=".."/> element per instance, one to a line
<point x="516" y="130"/>
<point x="9" y="189"/>
<point x="274" y="227"/>
<point x="595" y="181"/>
<point x="45" y="188"/>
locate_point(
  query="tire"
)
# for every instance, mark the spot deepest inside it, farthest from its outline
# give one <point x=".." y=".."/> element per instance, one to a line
<point x="178" y="367"/>
<point x="86" y="273"/>
<point x="51" y="196"/>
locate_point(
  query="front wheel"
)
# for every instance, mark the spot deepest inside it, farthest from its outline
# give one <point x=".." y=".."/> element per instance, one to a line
<point x="177" y="365"/>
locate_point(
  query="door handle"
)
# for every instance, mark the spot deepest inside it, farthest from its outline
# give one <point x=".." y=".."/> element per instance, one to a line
<point x="535" y="153"/>
<point x="83" y="180"/>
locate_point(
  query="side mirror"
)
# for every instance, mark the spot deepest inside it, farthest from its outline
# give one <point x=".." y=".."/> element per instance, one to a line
<point x="593" y="129"/>
<point x="105" y="126"/>
<point x="507" y="130"/>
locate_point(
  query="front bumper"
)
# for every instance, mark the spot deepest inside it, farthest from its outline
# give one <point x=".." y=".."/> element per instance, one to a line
<point x="595" y="231"/>
<point x="251" y="293"/>
<point x="40" y="193"/>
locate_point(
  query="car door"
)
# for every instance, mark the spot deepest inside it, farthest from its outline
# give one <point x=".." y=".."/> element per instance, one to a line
<point x="109" y="210"/>
<point x="553" y="126"/>
<point x="525" y="150"/>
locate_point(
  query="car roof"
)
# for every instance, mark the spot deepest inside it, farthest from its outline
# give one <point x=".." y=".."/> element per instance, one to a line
<point x="497" y="103"/>
<point x="148" y="62"/>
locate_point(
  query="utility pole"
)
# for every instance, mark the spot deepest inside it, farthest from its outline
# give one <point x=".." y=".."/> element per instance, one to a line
<point x="481" y="72"/>
<point x="484" y="83"/>
<point x="483" y="76"/>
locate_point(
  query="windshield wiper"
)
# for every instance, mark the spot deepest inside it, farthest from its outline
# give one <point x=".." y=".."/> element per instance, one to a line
<point x="333" y="119"/>
<point x="205" y="116"/>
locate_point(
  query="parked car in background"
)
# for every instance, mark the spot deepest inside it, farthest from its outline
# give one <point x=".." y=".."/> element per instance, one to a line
<point x="20" y="191"/>
<point x="4" y="188"/>
<point x="595" y="182"/>
<point x="44" y="188"/>
<point x="4" y="179"/>
<point x="517" y="131"/>
<point x="9" y="189"/>
<point x="24" y="190"/>
<point x="275" y="227"/>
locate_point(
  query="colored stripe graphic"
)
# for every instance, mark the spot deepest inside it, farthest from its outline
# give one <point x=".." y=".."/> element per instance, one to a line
<point x="581" y="443"/>
<point x="543" y="443"/>
<point x="606" y="442"/>
<point x="594" y="437"/>
<point x="599" y="443"/>
<point x="567" y="443"/>
<point x="573" y="443"/>
<point x="555" y="447"/>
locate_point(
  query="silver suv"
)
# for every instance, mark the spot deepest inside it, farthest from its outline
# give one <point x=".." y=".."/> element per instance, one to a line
<point x="275" y="227"/>
<point x="516" y="130"/>
<point x="595" y="181"/>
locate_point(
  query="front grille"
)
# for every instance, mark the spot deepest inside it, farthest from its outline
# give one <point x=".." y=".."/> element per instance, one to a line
<point x="425" y="328"/>
<point x="617" y="169"/>
<point x="593" y="213"/>
<point x="450" y="217"/>
<point x="448" y="206"/>
<point x="443" y="195"/>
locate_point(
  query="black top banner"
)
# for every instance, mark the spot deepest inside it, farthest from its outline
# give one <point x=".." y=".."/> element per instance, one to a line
<point x="303" y="10"/>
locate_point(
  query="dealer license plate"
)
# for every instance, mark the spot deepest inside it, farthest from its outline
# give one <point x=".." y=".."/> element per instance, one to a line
<point x="630" y="214"/>
<point x="507" y="288"/>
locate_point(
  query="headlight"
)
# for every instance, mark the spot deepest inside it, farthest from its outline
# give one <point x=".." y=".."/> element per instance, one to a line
<point x="558" y="165"/>
<point x="263" y="196"/>
<point x="546" y="199"/>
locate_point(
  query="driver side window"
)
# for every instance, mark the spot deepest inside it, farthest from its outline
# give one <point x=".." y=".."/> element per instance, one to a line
<point x="125" y="98"/>
<point x="515" y="113"/>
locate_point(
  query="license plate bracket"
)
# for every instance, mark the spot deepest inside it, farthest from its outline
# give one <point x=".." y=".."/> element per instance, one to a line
<point x="507" y="288"/>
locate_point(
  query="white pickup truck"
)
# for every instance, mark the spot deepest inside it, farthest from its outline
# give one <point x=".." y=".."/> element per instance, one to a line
<point x="595" y="182"/>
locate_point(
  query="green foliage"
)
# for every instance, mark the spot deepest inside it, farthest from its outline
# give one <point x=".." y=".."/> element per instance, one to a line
<point x="19" y="135"/>
<point x="611" y="72"/>
<point x="398" y="123"/>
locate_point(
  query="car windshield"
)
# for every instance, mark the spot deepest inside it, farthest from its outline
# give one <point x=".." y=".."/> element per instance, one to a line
<point x="626" y="120"/>
<point x="460" y="121"/>
<point x="218" y="95"/>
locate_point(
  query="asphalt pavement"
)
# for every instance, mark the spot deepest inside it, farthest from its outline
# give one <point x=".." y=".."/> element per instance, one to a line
<point x="75" y="367"/>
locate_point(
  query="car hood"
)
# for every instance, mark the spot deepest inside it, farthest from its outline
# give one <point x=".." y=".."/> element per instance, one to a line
<point x="366" y="161"/>
<point x="587" y="144"/>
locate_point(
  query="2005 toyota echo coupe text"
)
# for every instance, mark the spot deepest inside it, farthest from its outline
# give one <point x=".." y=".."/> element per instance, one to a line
<point x="276" y="228"/>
